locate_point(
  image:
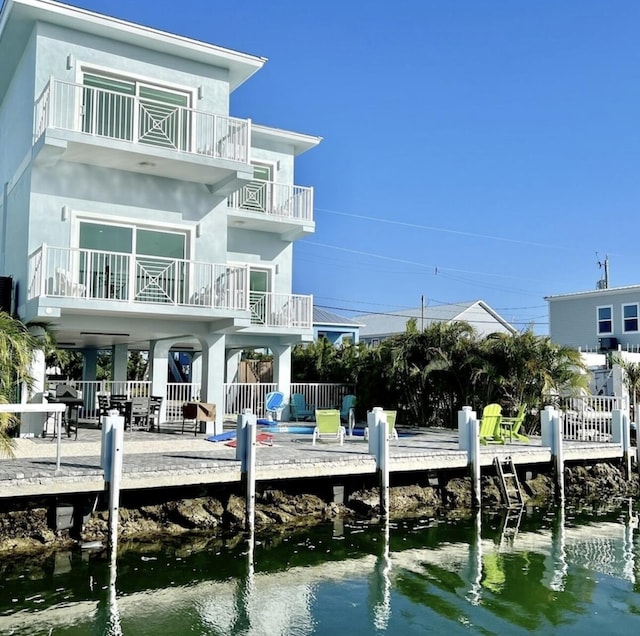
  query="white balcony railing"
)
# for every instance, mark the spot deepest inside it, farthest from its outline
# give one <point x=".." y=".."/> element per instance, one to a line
<point x="274" y="199"/>
<point x="112" y="276"/>
<point x="130" y="118"/>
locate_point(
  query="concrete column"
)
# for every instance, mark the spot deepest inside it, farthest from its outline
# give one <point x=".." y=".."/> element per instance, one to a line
<point x="196" y="368"/>
<point x="464" y="417"/>
<point x="282" y="375"/>
<point x="233" y="363"/>
<point x="32" y="424"/>
<point x="158" y="359"/>
<point x="621" y="434"/>
<point x="213" y="368"/>
<point x="89" y="365"/>
<point x="551" y="428"/>
<point x="119" y="357"/>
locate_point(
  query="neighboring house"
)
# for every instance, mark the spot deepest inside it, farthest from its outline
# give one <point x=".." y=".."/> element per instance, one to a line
<point x="338" y="330"/>
<point x="136" y="211"/>
<point x="597" y="320"/>
<point x="478" y="314"/>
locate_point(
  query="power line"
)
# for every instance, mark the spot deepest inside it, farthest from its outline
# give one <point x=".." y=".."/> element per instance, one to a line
<point x="432" y="228"/>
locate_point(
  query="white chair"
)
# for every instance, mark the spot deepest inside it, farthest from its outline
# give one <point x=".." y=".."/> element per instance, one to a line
<point x="66" y="286"/>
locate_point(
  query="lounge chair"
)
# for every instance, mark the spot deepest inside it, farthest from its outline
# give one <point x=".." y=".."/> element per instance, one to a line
<point x="490" y="431"/>
<point x="511" y="425"/>
<point x="391" y="424"/>
<point x="328" y="426"/>
<point x="300" y="410"/>
<point x="348" y="403"/>
<point x="273" y="405"/>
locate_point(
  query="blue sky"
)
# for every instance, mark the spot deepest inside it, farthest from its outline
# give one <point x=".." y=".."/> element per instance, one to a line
<point x="473" y="149"/>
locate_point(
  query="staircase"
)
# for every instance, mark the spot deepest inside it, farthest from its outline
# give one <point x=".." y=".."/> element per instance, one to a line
<point x="509" y="483"/>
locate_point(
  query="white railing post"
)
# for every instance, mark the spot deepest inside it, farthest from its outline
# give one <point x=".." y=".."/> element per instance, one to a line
<point x="469" y="440"/>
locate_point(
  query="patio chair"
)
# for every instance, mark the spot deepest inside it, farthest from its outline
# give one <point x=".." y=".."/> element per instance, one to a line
<point x="103" y="407"/>
<point x="300" y="410"/>
<point x="328" y="426"/>
<point x="511" y="425"/>
<point x="273" y="405"/>
<point x="490" y="431"/>
<point x="348" y="403"/>
<point x="391" y="424"/>
<point x="155" y="404"/>
<point x="138" y="412"/>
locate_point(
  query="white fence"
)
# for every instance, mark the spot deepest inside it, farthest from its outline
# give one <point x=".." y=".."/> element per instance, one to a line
<point x="237" y="396"/>
<point x="588" y="418"/>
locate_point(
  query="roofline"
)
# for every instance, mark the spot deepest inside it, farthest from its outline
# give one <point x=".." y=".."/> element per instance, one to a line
<point x="241" y="65"/>
<point x="594" y="292"/>
<point x="300" y="141"/>
<point x="337" y="324"/>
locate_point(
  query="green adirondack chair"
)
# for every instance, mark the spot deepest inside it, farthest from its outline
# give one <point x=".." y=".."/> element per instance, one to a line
<point x="490" y="431"/>
<point x="511" y="425"/>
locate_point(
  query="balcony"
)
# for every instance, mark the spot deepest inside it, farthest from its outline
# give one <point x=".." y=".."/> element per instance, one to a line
<point x="272" y="207"/>
<point x="110" y="129"/>
<point x="118" y="282"/>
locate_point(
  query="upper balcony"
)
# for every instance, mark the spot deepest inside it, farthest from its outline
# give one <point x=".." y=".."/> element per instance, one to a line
<point x="272" y="207"/>
<point x="142" y="134"/>
<point x="92" y="280"/>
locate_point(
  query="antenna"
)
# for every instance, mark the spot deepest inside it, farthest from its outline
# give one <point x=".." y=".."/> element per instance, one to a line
<point x="603" y="283"/>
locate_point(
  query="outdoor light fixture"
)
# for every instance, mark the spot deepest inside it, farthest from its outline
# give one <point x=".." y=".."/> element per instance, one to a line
<point x="65" y="212"/>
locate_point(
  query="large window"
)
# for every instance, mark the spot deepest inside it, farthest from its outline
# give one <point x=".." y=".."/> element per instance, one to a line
<point x="605" y="320"/>
<point x="111" y="254"/>
<point x="630" y="317"/>
<point x="122" y="108"/>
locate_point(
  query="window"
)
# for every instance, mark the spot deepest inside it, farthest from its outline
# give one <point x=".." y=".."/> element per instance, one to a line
<point x="630" y="317"/>
<point x="158" y="262"/>
<point x="605" y="319"/>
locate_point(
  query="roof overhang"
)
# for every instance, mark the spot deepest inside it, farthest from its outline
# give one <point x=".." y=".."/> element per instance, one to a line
<point x="18" y="17"/>
<point x="300" y="142"/>
<point x="595" y="293"/>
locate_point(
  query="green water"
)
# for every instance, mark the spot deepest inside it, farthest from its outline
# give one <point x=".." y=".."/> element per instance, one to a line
<point x="547" y="573"/>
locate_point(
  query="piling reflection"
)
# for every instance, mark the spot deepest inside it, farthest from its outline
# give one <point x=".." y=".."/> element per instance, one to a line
<point x="380" y="586"/>
<point x="496" y="573"/>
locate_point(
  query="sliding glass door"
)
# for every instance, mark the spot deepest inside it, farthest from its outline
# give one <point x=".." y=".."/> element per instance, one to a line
<point x="121" y="262"/>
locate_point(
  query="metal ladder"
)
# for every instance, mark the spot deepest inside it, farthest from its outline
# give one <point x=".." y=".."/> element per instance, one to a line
<point x="509" y="483"/>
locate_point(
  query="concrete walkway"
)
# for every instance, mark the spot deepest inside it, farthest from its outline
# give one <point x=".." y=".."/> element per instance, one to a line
<point x="168" y="458"/>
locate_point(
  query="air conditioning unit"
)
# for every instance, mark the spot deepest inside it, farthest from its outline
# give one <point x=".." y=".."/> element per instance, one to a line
<point x="608" y="344"/>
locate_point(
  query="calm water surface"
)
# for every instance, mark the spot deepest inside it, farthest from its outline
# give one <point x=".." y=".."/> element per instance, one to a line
<point x="545" y="573"/>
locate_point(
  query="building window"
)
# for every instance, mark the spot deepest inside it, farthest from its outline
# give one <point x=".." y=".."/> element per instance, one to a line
<point x="605" y="320"/>
<point x="630" y="317"/>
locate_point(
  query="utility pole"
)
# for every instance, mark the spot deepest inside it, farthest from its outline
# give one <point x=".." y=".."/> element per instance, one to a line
<point x="604" y="283"/>
<point x="422" y="312"/>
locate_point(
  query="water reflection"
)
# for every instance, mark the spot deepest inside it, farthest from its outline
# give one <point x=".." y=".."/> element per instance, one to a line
<point x="495" y="573"/>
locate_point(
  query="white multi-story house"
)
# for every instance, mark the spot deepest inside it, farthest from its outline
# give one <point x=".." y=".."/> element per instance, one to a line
<point x="136" y="213"/>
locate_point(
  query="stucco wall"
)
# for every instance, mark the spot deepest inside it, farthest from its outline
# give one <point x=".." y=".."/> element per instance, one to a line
<point x="55" y="45"/>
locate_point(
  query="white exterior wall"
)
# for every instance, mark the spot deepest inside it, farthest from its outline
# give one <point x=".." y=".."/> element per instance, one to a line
<point x="55" y="44"/>
<point x="573" y="320"/>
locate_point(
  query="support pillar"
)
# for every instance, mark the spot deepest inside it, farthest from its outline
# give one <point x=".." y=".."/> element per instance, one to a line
<point x="621" y="434"/>
<point x="379" y="447"/>
<point x="282" y="375"/>
<point x="89" y="365"/>
<point x="469" y="440"/>
<point x="32" y="424"/>
<point x="246" y="452"/>
<point x="213" y="368"/>
<point x="158" y="359"/>
<point x="551" y="428"/>
<point x="119" y="358"/>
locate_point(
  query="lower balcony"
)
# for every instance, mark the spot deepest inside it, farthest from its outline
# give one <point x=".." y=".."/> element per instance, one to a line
<point x="92" y="278"/>
<point x="273" y="207"/>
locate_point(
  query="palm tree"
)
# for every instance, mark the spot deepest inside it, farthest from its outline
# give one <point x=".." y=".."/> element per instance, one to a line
<point x="17" y="347"/>
<point x="631" y="380"/>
